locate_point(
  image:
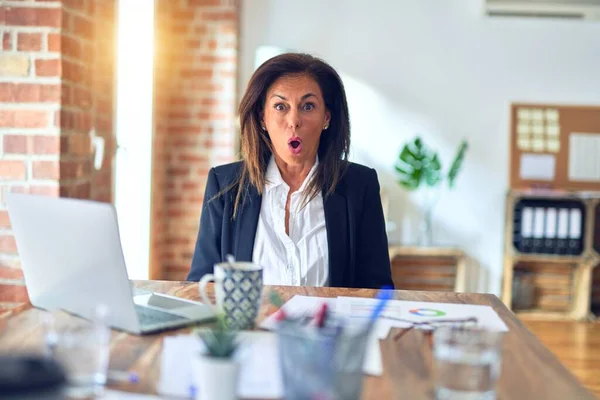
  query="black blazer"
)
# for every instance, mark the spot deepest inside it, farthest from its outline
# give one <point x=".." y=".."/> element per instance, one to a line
<point x="356" y="236"/>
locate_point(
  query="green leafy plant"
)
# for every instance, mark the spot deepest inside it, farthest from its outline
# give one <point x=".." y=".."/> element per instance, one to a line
<point x="418" y="165"/>
<point x="220" y="341"/>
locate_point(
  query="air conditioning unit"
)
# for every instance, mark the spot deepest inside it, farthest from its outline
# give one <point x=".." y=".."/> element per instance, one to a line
<point x="569" y="9"/>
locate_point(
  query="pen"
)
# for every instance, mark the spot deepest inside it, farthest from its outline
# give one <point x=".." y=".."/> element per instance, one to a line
<point x="122" y="376"/>
<point x="321" y="315"/>
<point x="280" y="315"/>
<point x="384" y="295"/>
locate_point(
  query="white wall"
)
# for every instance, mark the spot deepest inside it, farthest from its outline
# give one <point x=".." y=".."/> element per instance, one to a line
<point x="441" y="69"/>
<point x="133" y="165"/>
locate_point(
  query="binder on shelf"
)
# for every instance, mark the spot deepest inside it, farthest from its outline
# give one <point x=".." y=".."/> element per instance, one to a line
<point x="538" y="230"/>
<point x="526" y="230"/>
<point x="563" y="230"/>
<point x="574" y="230"/>
<point x="550" y="230"/>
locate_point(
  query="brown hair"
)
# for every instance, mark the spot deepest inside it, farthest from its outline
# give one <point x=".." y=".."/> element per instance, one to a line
<point x="257" y="147"/>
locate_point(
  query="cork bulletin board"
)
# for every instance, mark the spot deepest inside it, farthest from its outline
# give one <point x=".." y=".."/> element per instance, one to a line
<point x="555" y="147"/>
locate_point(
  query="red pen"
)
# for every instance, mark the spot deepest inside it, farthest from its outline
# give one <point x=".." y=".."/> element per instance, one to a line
<point x="321" y="315"/>
<point x="280" y="315"/>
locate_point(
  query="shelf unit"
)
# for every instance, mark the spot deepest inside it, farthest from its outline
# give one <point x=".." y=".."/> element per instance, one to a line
<point x="428" y="268"/>
<point x="558" y="286"/>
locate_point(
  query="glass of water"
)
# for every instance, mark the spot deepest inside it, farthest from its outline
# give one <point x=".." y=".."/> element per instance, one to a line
<point x="83" y="350"/>
<point x="467" y="363"/>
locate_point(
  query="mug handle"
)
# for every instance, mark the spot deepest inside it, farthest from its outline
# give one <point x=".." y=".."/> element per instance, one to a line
<point x="202" y="290"/>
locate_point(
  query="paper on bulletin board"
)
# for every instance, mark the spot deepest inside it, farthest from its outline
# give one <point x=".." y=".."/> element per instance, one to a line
<point x="584" y="163"/>
<point x="538" y="167"/>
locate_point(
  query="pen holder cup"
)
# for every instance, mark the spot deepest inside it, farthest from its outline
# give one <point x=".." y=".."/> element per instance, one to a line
<point x="321" y="363"/>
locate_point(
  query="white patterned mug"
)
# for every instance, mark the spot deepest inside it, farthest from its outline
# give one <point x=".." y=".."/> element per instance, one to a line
<point x="238" y="289"/>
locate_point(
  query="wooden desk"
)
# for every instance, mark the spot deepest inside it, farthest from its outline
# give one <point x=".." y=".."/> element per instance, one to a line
<point x="529" y="370"/>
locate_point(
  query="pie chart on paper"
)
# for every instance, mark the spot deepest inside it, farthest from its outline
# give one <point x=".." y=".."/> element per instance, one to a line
<point x="427" y="312"/>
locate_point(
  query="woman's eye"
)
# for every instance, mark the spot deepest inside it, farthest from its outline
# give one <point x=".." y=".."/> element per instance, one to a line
<point x="309" y="106"/>
<point x="279" y="107"/>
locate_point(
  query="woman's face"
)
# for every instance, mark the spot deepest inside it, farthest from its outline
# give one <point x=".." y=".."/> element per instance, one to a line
<point x="294" y="116"/>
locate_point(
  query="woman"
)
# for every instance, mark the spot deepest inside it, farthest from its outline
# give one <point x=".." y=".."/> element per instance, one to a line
<point x="294" y="204"/>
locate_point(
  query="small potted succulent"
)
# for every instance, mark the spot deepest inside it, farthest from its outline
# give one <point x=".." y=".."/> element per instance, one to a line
<point x="215" y="369"/>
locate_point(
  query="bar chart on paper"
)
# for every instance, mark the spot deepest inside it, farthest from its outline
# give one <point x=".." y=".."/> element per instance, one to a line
<point x="356" y="308"/>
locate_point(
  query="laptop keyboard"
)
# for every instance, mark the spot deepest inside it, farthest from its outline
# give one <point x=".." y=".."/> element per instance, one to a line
<point x="149" y="316"/>
<point x="139" y="292"/>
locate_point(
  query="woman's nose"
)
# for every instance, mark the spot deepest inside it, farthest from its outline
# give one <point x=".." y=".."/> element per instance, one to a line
<point x="294" y="120"/>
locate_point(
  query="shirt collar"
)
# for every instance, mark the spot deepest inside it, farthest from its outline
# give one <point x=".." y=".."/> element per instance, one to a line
<point x="274" y="179"/>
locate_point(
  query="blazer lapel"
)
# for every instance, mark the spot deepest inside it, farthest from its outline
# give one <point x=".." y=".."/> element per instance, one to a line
<point x="246" y="224"/>
<point x="336" y="222"/>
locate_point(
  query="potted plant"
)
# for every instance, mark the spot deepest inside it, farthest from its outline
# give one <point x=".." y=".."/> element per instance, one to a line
<point x="419" y="167"/>
<point x="215" y="369"/>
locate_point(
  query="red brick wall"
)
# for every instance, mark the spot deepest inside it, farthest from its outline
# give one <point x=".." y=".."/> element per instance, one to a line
<point x="52" y="92"/>
<point x="195" y="101"/>
<point x="56" y="83"/>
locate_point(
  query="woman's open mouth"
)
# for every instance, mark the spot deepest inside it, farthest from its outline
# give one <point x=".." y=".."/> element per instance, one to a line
<point x="295" y="145"/>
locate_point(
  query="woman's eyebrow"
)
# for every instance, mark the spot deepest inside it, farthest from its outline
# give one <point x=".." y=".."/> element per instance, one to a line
<point x="307" y="95"/>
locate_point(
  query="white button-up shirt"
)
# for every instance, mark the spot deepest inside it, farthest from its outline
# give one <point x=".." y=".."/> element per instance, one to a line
<point x="302" y="258"/>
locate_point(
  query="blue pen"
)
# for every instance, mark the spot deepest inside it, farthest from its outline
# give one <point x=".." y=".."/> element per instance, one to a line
<point x="383" y="295"/>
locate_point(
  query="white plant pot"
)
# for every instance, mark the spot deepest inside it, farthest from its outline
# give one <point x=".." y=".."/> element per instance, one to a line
<point x="215" y="378"/>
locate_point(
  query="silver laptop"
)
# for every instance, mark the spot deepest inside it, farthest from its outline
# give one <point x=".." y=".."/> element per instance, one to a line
<point x="72" y="260"/>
